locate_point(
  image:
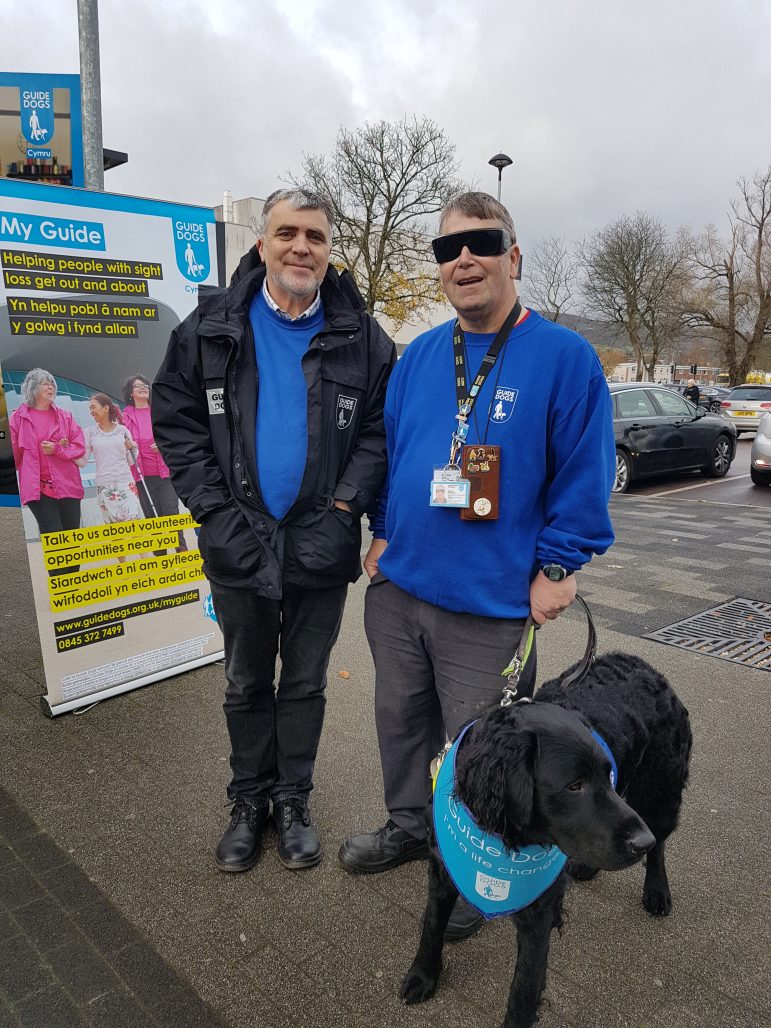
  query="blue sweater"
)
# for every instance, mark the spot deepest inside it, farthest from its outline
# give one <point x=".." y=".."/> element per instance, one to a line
<point x="282" y="404"/>
<point x="550" y="411"/>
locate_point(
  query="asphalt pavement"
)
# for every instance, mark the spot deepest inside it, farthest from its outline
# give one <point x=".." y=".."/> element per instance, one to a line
<point x="112" y="912"/>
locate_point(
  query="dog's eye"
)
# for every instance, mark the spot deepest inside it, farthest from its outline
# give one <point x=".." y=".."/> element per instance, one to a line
<point x="576" y="786"/>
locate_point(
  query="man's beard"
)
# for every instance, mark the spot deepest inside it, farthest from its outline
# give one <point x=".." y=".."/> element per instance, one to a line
<point x="294" y="286"/>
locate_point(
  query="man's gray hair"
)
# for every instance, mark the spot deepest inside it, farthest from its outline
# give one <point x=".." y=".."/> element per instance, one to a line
<point x="300" y="200"/>
<point x="479" y="205"/>
<point x="32" y="382"/>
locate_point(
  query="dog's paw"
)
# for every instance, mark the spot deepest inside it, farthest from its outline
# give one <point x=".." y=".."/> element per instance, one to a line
<point x="418" y="986"/>
<point x="657" y="899"/>
<point x="580" y="872"/>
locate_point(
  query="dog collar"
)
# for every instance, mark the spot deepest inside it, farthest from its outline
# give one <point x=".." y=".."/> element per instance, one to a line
<point x="493" y="879"/>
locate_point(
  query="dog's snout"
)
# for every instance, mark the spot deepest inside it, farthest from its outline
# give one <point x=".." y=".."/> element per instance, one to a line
<point x="640" y="841"/>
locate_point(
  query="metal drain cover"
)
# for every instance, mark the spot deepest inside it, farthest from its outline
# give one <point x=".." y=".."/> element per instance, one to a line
<point x="739" y="631"/>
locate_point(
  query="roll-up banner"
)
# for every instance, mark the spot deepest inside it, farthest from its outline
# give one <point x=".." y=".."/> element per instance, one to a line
<point x="92" y="286"/>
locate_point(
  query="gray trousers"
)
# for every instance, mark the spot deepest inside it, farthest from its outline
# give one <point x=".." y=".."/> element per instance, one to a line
<point x="434" y="671"/>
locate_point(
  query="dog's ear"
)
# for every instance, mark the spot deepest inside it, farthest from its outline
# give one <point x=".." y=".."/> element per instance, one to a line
<point x="494" y="777"/>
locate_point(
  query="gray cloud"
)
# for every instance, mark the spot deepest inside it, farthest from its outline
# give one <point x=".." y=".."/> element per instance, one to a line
<point x="605" y="107"/>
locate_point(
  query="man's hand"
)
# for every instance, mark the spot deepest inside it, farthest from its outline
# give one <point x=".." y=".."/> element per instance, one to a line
<point x="342" y="505"/>
<point x="548" y="599"/>
<point x="374" y="553"/>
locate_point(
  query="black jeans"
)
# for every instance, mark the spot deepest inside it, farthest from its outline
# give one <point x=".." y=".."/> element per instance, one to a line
<point x="275" y="732"/>
<point x="56" y="516"/>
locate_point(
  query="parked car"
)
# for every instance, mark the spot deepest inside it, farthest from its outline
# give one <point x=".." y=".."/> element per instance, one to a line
<point x="746" y="404"/>
<point x="709" y="396"/>
<point x="760" y="454"/>
<point x="657" y="431"/>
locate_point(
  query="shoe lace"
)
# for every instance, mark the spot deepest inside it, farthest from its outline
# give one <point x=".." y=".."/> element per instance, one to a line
<point x="243" y="810"/>
<point x="294" y="808"/>
<point x="387" y="828"/>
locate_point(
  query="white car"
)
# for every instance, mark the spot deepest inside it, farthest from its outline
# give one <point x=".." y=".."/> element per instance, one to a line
<point x="745" y="406"/>
<point x="760" y="455"/>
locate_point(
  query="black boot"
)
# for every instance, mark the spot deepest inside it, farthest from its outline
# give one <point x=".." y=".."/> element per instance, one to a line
<point x="464" y="921"/>
<point x="298" y="841"/>
<point x="239" y="848"/>
<point x="379" y="851"/>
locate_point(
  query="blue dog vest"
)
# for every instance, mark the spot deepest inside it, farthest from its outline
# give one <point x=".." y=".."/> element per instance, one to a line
<point x="495" y="880"/>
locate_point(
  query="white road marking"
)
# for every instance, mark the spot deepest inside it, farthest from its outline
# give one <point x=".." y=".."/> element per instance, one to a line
<point x="699" y="485"/>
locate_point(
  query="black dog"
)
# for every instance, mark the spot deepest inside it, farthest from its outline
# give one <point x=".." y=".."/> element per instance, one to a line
<point x="533" y="773"/>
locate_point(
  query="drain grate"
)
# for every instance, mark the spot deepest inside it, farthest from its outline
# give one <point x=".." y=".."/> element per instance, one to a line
<point x="739" y="631"/>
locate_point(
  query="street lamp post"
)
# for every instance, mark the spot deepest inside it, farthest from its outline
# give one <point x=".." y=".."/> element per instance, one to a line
<point x="500" y="161"/>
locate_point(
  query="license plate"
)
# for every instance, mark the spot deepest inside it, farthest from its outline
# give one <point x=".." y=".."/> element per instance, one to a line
<point x="743" y="413"/>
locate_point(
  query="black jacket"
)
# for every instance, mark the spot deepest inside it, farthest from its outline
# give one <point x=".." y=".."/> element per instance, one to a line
<point x="204" y="414"/>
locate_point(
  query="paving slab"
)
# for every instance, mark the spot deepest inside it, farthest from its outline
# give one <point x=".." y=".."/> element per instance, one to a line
<point x="112" y="913"/>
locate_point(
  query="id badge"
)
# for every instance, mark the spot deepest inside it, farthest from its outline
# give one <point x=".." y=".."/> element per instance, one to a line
<point x="449" y="489"/>
<point x="481" y="466"/>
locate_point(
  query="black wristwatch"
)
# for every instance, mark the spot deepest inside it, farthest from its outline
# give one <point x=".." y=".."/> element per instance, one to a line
<point x="555" y="572"/>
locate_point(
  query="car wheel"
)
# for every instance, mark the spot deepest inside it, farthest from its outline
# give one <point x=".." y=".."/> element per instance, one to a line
<point x="623" y="472"/>
<point x="715" y="407"/>
<point x="720" y="459"/>
<point x="759" y="478"/>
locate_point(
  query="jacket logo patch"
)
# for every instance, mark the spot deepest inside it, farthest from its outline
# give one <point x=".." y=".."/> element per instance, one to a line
<point x="216" y="398"/>
<point x="346" y="405"/>
<point x="503" y="404"/>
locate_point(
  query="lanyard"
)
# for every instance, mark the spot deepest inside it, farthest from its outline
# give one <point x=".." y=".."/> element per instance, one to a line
<point x="467" y="398"/>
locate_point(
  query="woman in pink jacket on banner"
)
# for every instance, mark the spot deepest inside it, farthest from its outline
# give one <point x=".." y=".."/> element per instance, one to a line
<point x="47" y="444"/>
<point x="156" y="493"/>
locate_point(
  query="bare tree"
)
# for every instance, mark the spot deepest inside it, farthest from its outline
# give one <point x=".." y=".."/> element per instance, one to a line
<point x="634" y="275"/>
<point x="551" y="274"/>
<point x="385" y="181"/>
<point x="731" y="295"/>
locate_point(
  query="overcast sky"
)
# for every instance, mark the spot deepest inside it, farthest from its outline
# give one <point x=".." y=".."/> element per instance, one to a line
<point x="606" y="107"/>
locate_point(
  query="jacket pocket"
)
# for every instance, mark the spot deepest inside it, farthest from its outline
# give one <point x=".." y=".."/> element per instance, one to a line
<point x="329" y="543"/>
<point x="228" y="547"/>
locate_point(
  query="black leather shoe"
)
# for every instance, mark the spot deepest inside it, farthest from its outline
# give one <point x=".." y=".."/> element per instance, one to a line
<point x="239" y="848"/>
<point x="298" y="841"/>
<point x="379" y="851"/>
<point x="464" y="921"/>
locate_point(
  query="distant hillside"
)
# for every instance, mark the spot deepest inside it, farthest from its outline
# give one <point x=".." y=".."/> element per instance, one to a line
<point x="599" y="333"/>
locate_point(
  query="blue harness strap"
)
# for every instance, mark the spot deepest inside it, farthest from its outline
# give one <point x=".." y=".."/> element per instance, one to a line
<point x="493" y="879"/>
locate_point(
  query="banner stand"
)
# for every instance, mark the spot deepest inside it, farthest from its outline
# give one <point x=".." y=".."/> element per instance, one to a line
<point x="91" y="287"/>
<point x="96" y="697"/>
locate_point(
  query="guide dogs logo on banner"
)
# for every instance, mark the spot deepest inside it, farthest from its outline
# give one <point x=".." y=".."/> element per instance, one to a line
<point x="37" y="118"/>
<point x="191" y="245"/>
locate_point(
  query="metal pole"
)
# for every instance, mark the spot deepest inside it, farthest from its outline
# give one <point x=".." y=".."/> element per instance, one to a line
<point x="91" y="94"/>
<point x="500" y="173"/>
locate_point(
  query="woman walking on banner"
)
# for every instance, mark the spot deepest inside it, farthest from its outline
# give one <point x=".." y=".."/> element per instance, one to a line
<point x="156" y="493"/>
<point x="47" y="447"/>
<point x="110" y="444"/>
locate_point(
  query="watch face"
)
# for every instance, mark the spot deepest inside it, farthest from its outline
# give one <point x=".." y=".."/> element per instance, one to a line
<point x="554" y="572"/>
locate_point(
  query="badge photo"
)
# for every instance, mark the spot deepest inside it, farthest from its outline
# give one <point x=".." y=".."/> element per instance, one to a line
<point x="451" y="494"/>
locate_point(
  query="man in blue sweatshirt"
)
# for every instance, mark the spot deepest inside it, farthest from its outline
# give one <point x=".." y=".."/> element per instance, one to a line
<point x="514" y="413"/>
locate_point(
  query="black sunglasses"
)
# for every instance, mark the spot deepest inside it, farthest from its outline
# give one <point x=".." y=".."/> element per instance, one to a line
<point x="482" y="242"/>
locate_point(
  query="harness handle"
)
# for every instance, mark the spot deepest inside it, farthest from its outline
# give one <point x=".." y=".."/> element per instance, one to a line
<point x="590" y="653"/>
<point x="513" y="672"/>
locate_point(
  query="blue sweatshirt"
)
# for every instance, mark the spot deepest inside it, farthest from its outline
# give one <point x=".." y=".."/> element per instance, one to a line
<point x="550" y="411"/>
<point x="282" y="404"/>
